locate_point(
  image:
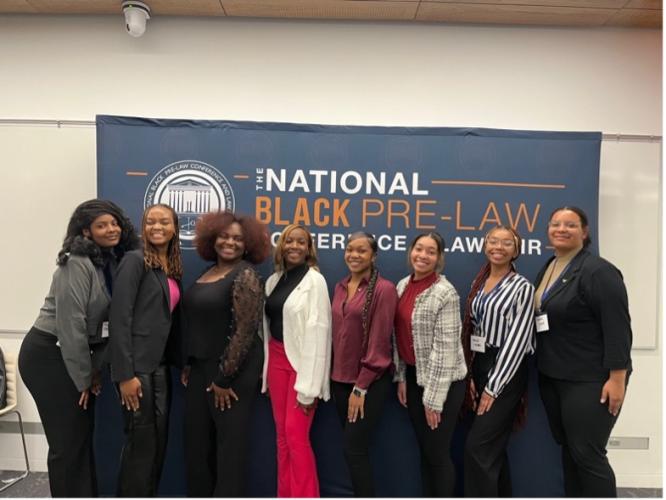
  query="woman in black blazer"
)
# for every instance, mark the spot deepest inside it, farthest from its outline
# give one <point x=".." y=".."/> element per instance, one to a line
<point x="583" y="352"/>
<point x="144" y="340"/>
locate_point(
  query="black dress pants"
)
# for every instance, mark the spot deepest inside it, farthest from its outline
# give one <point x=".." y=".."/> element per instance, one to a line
<point x="438" y="474"/>
<point x="68" y="427"/>
<point x="146" y="432"/>
<point x="215" y="440"/>
<point x="582" y="426"/>
<point x="487" y="471"/>
<point x="357" y="435"/>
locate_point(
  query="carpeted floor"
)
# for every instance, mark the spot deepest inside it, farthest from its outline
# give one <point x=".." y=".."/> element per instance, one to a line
<point x="36" y="485"/>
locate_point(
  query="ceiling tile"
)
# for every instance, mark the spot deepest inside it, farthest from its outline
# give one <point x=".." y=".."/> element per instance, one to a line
<point x="624" y="13"/>
<point x="16" y="7"/>
<point x="512" y="14"/>
<point x="158" y="7"/>
<point x="186" y="7"/>
<point x="597" y="4"/>
<point x="76" y="6"/>
<point x="637" y="18"/>
<point x="645" y="4"/>
<point x="322" y="9"/>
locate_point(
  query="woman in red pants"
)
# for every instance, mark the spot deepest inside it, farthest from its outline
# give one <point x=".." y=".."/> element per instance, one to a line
<point x="297" y="348"/>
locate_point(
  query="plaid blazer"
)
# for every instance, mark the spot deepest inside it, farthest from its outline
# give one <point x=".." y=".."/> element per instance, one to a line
<point x="436" y="329"/>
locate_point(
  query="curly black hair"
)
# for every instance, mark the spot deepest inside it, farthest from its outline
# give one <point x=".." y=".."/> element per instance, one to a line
<point x="76" y="243"/>
<point x="211" y="224"/>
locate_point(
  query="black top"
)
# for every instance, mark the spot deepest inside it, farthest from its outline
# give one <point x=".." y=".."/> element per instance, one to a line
<point x="275" y="301"/>
<point x="207" y="307"/>
<point x="222" y="320"/>
<point x="589" y="326"/>
<point x="110" y="268"/>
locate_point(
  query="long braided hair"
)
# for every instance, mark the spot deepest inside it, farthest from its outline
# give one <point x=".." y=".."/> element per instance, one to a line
<point x="372" y="282"/>
<point x="468" y="323"/>
<point x="150" y="254"/>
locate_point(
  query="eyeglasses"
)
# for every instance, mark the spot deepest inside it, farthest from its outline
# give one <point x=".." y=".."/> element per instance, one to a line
<point x="495" y="241"/>
<point x="568" y="225"/>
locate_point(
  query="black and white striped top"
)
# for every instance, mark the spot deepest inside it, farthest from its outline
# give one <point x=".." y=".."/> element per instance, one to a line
<point x="505" y="317"/>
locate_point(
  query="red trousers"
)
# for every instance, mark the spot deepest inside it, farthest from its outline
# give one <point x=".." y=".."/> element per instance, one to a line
<point x="297" y="469"/>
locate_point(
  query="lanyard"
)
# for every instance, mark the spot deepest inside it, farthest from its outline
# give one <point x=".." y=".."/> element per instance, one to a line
<point x="549" y="286"/>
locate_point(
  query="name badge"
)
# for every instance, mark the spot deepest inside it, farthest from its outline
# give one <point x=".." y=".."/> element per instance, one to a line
<point x="478" y="343"/>
<point x="105" y="329"/>
<point x="541" y="322"/>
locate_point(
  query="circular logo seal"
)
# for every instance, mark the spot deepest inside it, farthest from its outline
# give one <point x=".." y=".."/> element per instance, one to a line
<point x="191" y="188"/>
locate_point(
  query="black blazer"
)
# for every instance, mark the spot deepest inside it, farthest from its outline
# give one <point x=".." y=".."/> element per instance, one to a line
<point x="589" y="326"/>
<point x="142" y="330"/>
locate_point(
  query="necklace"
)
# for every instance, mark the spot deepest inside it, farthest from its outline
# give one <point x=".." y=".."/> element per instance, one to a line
<point x="219" y="273"/>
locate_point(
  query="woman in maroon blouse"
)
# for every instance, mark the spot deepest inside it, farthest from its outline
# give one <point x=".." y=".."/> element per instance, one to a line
<point x="363" y="309"/>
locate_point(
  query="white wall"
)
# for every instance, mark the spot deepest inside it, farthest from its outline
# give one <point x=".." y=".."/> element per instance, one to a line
<point x="336" y="73"/>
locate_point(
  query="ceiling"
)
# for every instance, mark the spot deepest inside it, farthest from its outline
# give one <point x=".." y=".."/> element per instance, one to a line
<point x="616" y="13"/>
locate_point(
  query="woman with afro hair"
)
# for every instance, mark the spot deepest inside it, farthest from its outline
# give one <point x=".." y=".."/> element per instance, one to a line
<point x="223" y="310"/>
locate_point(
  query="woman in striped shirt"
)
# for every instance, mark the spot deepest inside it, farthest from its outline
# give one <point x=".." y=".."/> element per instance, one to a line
<point x="499" y="329"/>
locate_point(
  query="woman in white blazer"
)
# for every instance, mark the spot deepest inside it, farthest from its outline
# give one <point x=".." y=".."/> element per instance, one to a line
<point x="297" y="347"/>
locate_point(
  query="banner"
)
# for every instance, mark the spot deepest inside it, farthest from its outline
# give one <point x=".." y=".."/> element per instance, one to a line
<point x="393" y="182"/>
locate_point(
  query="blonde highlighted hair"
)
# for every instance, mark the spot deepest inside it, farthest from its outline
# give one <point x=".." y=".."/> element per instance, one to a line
<point x="150" y="254"/>
<point x="278" y="253"/>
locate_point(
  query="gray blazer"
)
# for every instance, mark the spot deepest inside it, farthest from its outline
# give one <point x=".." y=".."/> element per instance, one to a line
<point x="74" y="310"/>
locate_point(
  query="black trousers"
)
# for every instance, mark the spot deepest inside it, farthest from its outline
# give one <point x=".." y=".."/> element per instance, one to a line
<point x="357" y="435"/>
<point x="487" y="471"/>
<point x="68" y="427"/>
<point x="215" y="440"/>
<point x="438" y="474"/>
<point x="146" y="432"/>
<point x="582" y="426"/>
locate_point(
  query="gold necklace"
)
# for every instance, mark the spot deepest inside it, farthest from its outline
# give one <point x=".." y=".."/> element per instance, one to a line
<point x="221" y="273"/>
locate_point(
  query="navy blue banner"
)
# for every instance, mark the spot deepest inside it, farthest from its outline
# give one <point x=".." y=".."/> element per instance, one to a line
<point x="391" y="181"/>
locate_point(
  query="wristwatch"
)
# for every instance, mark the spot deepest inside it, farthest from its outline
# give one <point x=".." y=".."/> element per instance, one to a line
<point x="358" y="392"/>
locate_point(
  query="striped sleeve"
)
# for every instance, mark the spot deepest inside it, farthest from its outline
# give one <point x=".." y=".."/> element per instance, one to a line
<point x="517" y="338"/>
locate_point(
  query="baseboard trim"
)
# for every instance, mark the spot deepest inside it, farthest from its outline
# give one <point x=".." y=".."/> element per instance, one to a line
<point x="12" y="427"/>
<point x="638" y="480"/>
<point x="36" y="465"/>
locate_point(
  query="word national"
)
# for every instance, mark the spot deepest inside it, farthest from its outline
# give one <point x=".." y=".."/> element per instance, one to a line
<point x="348" y="182"/>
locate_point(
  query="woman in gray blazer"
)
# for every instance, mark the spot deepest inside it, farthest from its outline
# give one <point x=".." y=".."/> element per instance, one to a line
<point x="145" y="339"/>
<point x="61" y="355"/>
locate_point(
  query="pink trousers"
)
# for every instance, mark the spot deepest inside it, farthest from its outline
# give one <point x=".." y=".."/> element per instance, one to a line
<point x="297" y="469"/>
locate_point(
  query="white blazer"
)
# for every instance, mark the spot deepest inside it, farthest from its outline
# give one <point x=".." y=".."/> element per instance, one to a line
<point x="306" y="329"/>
